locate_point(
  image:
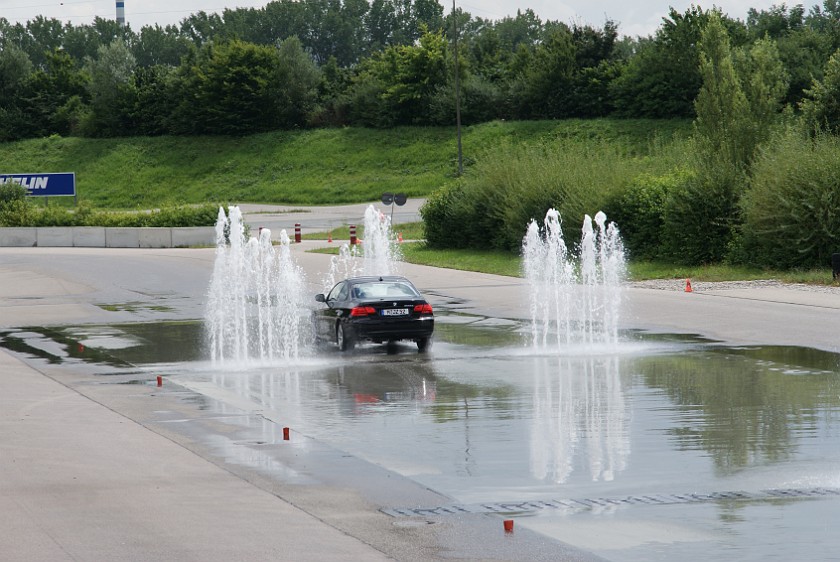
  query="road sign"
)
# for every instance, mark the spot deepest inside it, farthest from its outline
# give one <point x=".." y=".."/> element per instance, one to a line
<point x="44" y="185"/>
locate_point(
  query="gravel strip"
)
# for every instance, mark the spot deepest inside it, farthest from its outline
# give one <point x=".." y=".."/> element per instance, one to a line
<point x="679" y="285"/>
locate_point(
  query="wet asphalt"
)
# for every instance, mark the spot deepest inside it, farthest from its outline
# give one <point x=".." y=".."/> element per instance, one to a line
<point x="92" y="471"/>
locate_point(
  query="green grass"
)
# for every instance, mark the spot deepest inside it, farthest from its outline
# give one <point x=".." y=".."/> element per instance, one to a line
<point x="312" y="167"/>
<point x="484" y="261"/>
<point x="505" y="263"/>
<point x="409" y="231"/>
<point x="663" y="270"/>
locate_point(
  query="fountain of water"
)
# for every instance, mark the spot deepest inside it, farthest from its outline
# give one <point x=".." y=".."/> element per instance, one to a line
<point x="380" y="251"/>
<point x="379" y="256"/>
<point x="255" y="302"/>
<point x="574" y="301"/>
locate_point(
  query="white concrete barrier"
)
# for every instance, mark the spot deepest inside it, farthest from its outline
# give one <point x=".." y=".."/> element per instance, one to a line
<point x="55" y="236"/>
<point x="89" y="236"/>
<point x="156" y="237"/>
<point x="24" y="236"/>
<point x="122" y="237"/>
<point x="194" y="236"/>
<point x="101" y="237"/>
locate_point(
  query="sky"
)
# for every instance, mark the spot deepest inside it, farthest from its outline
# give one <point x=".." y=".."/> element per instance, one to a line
<point x="635" y="18"/>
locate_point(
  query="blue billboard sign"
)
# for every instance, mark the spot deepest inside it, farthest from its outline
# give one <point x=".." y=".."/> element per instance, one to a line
<point x="44" y="185"/>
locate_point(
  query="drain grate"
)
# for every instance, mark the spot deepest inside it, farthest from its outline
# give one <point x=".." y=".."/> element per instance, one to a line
<point x="572" y="505"/>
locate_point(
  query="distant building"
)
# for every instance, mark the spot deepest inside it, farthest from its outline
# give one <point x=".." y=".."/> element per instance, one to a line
<point x="121" y="12"/>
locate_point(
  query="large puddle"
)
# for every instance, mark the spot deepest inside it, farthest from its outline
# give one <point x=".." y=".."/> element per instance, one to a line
<point x="658" y="449"/>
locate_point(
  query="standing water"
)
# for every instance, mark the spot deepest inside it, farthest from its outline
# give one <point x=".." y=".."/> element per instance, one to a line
<point x="255" y="304"/>
<point x="574" y="301"/>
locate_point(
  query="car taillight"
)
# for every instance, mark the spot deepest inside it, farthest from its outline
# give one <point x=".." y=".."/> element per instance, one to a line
<point x="423" y="308"/>
<point x="362" y="311"/>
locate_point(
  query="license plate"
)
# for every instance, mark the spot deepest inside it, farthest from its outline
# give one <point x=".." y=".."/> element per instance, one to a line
<point x="395" y="312"/>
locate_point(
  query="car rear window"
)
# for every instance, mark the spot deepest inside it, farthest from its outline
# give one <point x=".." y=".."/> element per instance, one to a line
<point x="384" y="290"/>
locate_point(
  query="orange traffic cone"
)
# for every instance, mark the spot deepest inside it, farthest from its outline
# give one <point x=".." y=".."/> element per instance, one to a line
<point x="688" y="288"/>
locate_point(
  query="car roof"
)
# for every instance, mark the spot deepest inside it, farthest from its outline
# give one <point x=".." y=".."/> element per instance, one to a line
<point x="376" y="278"/>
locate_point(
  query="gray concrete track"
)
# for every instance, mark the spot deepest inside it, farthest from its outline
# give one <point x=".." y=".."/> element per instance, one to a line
<point x="86" y="473"/>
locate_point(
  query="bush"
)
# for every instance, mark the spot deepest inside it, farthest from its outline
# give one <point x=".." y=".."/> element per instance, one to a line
<point x="701" y="215"/>
<point x="16" y="213"/>
<point x="512" y="184"/>
<point x="441" y="218"/>
<point x="639" y="212"/>
<point x="10" y="192"/>
<point x="792" y="208"/>
<point x="23" y="213"/>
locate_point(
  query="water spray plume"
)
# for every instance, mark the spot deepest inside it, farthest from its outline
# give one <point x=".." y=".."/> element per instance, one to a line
<point x="255" y="303"/>
<point x="574" y="299"/>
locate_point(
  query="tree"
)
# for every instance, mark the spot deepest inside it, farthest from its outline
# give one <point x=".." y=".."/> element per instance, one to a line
<point x="83" y="42"/>
<point x="524" y="29"/>
<point x="155" y="100"/>
<point x="547" y="80"/>
<point x="201" y="27"/>
<point x="721" y="126"/>
<point x="402" y="82"/>
<point x="111" y="90"/>
<point x="821" y="107"/>
<point x="236" y="87"/>
<point x="15" y="71"/>
<point x="700" y="213"/>
<point x="157" y="45"/>
<point x="804" y="54"/>
<point x="58" y="95"/>
<point x="297" y="82"/>
<point x="381" y="23"/>
<point x="775" y="22"/>
<point x="594" y="46"/>
<point x="46" y="36"/>
<point x="663" y="78"/>
<point x="281" y="19"/>
<point x="764" y="81"/>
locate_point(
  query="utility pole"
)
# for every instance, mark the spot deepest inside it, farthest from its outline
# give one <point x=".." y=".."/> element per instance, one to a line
<point x="457" y="91"/>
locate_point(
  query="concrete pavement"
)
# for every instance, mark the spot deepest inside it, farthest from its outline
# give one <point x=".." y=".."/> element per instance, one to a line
<point x="82" y="482"/>
<point x="86" y="473"/>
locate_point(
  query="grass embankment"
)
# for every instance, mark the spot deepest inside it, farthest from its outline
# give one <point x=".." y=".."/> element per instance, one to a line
<point x="314" y="167"/>
<point x="335" y="166"/>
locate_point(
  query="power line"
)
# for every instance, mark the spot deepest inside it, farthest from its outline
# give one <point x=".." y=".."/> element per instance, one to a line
<point x="130" y="13"/>
<point x="53" y="5"/>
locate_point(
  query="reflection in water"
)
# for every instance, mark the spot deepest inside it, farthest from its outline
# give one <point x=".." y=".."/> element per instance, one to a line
<point x="741" y="411"/>
<point x="342" y="391"/>
<point x="578" y="406"/>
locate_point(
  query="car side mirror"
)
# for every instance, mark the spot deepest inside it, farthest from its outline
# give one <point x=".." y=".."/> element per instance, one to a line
<point x="320" y="297"/>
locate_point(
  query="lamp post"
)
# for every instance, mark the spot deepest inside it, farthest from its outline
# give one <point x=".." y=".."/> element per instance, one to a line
<point x="457" y="91"/>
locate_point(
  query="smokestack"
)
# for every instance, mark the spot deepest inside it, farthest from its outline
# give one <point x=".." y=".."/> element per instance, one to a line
<point x="121" y="12"/>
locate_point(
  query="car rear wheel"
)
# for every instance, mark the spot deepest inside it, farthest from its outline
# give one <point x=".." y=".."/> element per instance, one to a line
<point x="343" y="339"/>
<point x="424" y="344"/>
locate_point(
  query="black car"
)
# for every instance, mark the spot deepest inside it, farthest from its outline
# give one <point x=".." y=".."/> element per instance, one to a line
<point x="377" y="309"/>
